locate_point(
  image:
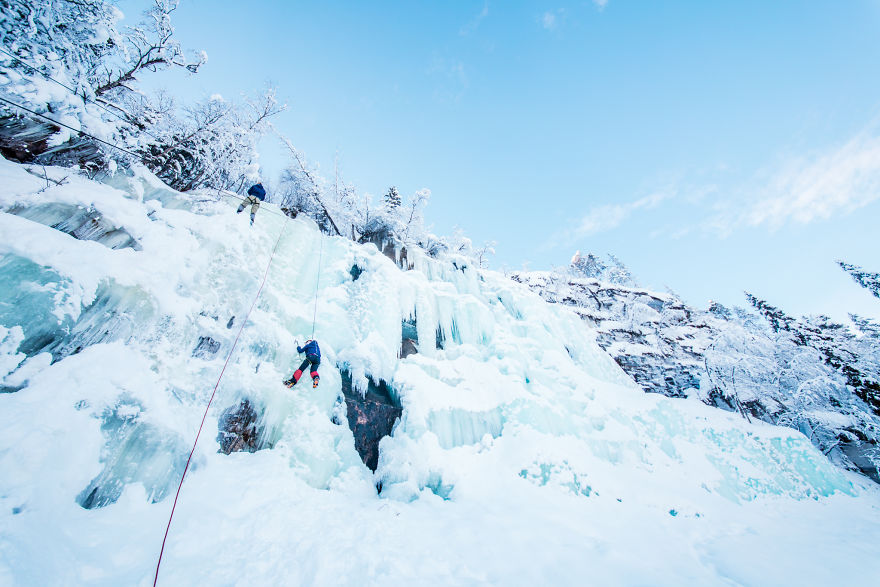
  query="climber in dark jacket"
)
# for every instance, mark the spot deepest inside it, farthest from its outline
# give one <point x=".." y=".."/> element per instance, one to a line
<point x="256" y="194"/>
<point x="313" y="357"/>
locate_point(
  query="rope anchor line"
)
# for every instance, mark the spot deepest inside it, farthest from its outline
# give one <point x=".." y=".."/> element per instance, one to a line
<point x="211" y="400"/>
<point x="317" y="281"/>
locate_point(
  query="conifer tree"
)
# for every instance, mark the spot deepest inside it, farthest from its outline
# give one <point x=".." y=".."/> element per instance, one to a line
<point x="619" y="273"/>
<point x="392" y="198"/>
<point x="777" y="318"/>
<point x="589" y="266"/>
<point x="870" y="281"/>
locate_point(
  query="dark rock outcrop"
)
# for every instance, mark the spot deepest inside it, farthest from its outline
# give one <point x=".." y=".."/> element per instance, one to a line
<point x="408" y="347"/>
<point x="27" y="140"/>
<point x="238" y="430"/>
<point x="206" y="348"/>
<point x="370" y="417"/>
<point x="409" y="338"/>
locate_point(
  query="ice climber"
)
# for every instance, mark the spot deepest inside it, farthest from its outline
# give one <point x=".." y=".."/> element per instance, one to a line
<point x="313" y="357"/>
<point x="256" y="194"/>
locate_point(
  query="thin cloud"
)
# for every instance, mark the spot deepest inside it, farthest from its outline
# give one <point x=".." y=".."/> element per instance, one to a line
<point x="548" y="21"/>
<point x="475" y="22"/>
<point x="610" y="216"/>
<point x="600" y="4"/>
<point x="604" y="218"/>
<point x="838" y="181"/>
<point x="834" y="182"/>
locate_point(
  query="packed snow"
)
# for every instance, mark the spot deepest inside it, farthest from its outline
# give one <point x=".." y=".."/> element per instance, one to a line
<point x="524" y="454"/>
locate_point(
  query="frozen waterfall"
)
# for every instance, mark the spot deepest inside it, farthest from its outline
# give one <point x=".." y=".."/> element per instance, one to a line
<point x="522" y="455"/>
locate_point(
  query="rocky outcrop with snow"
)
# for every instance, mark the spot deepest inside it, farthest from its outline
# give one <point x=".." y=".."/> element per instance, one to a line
<point x="728" y="358"/>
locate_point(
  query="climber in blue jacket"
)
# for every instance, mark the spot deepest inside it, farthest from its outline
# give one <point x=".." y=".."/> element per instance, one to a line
<point x="256" y="194"/>
<point x="313" y="357"/>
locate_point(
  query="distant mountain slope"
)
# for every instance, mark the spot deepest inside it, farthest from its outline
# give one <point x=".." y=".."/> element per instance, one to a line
<point x="729" y="358"/>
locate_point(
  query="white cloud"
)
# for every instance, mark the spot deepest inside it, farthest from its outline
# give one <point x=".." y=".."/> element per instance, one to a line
<point x="600" y="4"/>
<point x="838" y="181"/>
<point x="604" y="218"/>
<point x="548" y="21"/>
<point x="833" y="182"/>
<point x="610" y="216"/>
<point x="475" y="22"/>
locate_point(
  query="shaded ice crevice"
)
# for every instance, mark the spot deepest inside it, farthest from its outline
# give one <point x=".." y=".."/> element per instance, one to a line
<point x="80" y="222"/>
<point x="47" y="307"/>
<point x="134" y="452"/>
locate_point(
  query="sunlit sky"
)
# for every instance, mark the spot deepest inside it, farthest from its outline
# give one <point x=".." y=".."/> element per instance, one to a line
<point x="713" y="147"/>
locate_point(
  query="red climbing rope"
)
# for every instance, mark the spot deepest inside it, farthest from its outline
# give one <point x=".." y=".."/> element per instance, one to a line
<point x="213" y="393"/>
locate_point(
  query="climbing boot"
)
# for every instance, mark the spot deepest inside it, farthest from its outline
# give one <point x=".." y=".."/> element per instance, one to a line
<point x="315" y="381"/>
<point x="289" y="382"/>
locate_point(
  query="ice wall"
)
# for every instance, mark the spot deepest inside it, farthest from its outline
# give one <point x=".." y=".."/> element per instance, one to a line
<point x="510" y="411"/>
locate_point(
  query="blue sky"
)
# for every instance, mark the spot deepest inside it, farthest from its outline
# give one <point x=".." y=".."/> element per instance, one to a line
<point x="713" y="147"/>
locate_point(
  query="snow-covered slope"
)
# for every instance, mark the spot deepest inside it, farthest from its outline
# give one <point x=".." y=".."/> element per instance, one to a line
<point x="733" y="359"/>
<point x="523" y="455"/>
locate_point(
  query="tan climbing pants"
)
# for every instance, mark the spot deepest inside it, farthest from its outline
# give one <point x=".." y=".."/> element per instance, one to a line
<point x="253" y="201"/>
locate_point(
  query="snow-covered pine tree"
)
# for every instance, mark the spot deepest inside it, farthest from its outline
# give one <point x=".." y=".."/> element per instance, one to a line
<point x="392" y="198"/>
<point x="589" y="266"/>
<point x="778" y="319"/>
<point x="619" y="273"/>
<point x="870" y="281"/>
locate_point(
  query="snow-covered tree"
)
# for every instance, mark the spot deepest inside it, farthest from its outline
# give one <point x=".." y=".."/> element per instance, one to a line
<point x="809" y="373"/>
<point x="147" y="47"/>
<point x="77" y="68"/>
<point x="67" y="39"/>
<point x="778" y="319"/>
<point x="589" y="266"/>
<point x="870" y="281"/>
<point x="619" y="273"/>
<point x="392" y="198"/>
<point x="213" y="144"/>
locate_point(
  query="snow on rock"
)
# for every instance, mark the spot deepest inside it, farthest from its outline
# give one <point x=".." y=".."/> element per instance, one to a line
<point x="728" y="358"/>
<point x="522" y="453"/>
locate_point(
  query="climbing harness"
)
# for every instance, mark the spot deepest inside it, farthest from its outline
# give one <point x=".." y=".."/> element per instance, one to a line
<point x="213" y="393"/>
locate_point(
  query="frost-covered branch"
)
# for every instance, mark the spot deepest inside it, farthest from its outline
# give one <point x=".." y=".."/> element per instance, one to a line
<point x="310" y="177"/>
<point x="149" y="49"/>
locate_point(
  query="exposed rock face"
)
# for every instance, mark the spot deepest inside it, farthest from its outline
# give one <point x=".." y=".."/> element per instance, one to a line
<point x="206" y="348"/>
<point x="654" y="337"/>
<point x="370" y="417"/>
<point x="238" y="429"/>
<point x="26" y="140"/>
<point x="408" y="347"/>
<point x="409" y="338"/>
